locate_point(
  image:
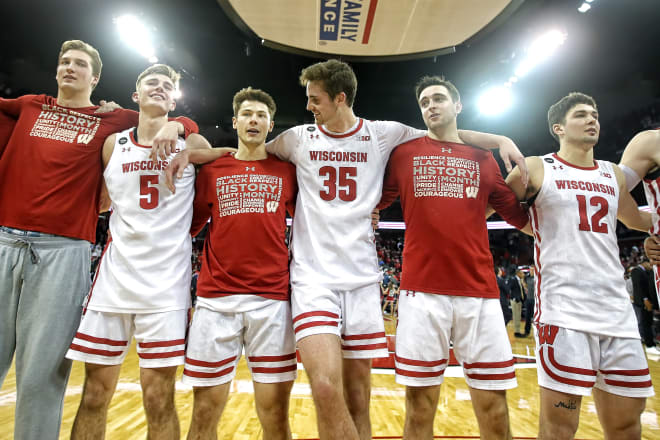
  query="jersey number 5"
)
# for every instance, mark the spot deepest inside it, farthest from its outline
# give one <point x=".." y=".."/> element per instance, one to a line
<point x="148" y="193"/>
<point x="596" y="224"/>
<point x="344" y="179"/>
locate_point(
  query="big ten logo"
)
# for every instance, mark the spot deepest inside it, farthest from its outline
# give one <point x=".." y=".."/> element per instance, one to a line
<point x="607" y="175"/>
<point x="272" y="206"/>
<point x="547" y="333"/>
<point x="363" y="138"/>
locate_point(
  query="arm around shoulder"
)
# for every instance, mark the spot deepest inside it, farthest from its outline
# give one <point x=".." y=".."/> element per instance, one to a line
<point x="628" y="211"/>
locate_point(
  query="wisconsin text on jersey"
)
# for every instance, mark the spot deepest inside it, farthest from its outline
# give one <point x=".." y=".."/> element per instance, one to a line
<point x="338" y="156"/>
<point x="65" y="125"/>
<point x="143" y="165"/>
<point x="585" y="186"/>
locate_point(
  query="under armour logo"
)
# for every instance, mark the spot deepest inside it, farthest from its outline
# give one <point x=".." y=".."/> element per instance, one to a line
<point x="272" y="206"/>
<point x="410" y="292"/>
<point x="249" y="168"/>
<point x="561" y="167"/>
<point x="312" y="136"/>
<point x="125" y="149"/>
<point x="445" y="150"/>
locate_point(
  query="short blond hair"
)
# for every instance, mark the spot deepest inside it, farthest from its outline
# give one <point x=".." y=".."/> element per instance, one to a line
<point x="161" y="69"/>
<point x="90" y="50"/>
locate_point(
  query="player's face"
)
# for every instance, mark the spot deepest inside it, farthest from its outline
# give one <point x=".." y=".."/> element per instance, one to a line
<point x="74" y="71"/>
<point x="156" y="91"/>
<point x="437" y="107"/>
<point x="252" y="122"/>
<point x="582" y="126"/>
<point x="320" y="104"/>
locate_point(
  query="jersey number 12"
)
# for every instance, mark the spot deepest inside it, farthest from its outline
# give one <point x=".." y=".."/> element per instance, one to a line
<point x="596" y="218"/>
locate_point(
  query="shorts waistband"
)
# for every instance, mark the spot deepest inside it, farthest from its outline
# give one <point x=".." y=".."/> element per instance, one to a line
<point x="24" y="233"/>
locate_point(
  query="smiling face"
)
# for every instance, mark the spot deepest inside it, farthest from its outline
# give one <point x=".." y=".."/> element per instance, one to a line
<point x="320" y="104"/>
<point x="74" y="72"/>
<point x="437" y="107"/>
<point x="155" y="91"/>
<point x="581" y="125"/>
<point x="252" y="122"/>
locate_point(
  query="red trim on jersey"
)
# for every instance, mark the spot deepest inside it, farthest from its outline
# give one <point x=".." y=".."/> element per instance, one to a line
<point x="364" y="347"/>
<point x="409" y="373"/>
<point x="96" y="273"/>
<point x="567" y="369"/>
<point x="88" y="350"/>
<point x="370" y="21"/>
<point x="419" y="363"/>
<point x="104" y="341"/>
<point x="363" y="336"/>
<point x="285" y="357"/>
<point x="199" y="363"/>
<point x="135" y="142"/>
<point x="502" y="364"/>
<point x="537" y="263"/>
<point x="347" y="134"/>
<point x="271" y="370"/>
<point x="643" y="372"/>
<point x="315" y="324"/>
<point x="595" y="167"/>
<point x="503" y="376"/>
<point x="161" y="343"/>
<point x="167" y="354"/>
<point x="620" y="383"/>
<point x="206" y="375"/>
<point x="318" y="313"/>
<point x="577" y="383"/>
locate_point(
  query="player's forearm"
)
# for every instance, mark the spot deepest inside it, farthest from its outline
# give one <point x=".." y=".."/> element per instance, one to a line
<point x="200" y="156"/>
<point x="483" y="140"/>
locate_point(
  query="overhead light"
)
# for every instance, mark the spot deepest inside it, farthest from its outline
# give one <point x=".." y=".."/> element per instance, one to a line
<point x="135" y="34"/>
<point x="540" y="49"/>
<point x="495" y="100"/>
<point x="177" y="94"/>
<point x="584" y="7"/>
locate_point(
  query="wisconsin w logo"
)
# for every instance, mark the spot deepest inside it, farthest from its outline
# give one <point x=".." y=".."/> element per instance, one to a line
<point x="84" y="138"/>
<point x="471" y="192"/>
<point x="272" y="206"/>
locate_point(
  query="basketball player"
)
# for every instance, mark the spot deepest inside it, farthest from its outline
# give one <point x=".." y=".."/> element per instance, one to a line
<point x="586" y="333"/>
<point x="448" y="287"/>
<point x="50" y="175"/>
<point x="142" y="286"/>
<point x="243" y="287"/>
<point x="340" y="162"/>
<point x="641" y="161"/>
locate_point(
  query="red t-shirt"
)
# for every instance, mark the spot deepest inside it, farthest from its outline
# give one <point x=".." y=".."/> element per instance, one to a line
<point x="51" y="169"/>
<point x="445" y="189"/>
<point x="6" y="127"/>
<point x="245" y="250"/>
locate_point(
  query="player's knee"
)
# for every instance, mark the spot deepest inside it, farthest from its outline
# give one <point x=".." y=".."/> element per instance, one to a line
<point x="274" y="416"/>
<point x="96" y="395"/>
<point x="625" y="429"/>
<point x="420" y="408"/>
<point x="158" y="400"/>
<point x="556" y="431"/>
<point x="325" y="390"/>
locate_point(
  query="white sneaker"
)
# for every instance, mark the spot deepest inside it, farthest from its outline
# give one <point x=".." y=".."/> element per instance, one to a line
<point x="653" y="350"/>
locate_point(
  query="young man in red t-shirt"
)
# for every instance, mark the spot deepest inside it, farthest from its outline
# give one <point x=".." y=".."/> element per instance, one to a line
<point x="50" y="177"/>
<point x="448" y="288"/>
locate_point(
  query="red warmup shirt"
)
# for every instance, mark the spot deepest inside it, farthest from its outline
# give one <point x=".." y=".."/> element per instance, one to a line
<point x="51" y="170"/>
<point x="6" y="127"/>
<point x="245" y="250"/>
<point x="445" y="189"/>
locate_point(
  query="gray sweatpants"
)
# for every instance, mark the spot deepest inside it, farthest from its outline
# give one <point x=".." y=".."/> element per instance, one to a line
<point x="43" y="281"/>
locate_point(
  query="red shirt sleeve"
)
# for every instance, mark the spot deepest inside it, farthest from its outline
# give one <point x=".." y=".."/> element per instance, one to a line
<point x="201" y="204"/>
<point x="12" y="107"/>
<point x="504" y="201"/>
<point x="390" y="186"/>
<point x="7" y="124"/>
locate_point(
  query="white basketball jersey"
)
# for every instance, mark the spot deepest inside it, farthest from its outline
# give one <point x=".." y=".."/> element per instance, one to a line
<point x="652" y="192"/>
<point x="146" y="265"/>
<point x="340" y="180"/>
<point x="580" y="282"/>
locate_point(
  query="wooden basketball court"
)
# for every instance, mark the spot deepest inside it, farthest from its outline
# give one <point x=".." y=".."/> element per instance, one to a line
<point x="455" y="418"/>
